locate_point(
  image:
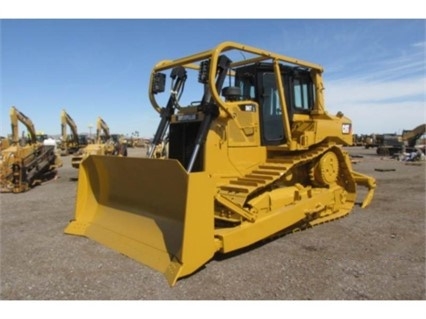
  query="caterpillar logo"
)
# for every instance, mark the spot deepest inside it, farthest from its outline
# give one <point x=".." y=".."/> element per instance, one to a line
<point x="346" y="128"/>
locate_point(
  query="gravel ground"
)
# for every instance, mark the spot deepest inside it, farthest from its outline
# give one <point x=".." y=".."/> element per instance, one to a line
<point x="377" y="253"/>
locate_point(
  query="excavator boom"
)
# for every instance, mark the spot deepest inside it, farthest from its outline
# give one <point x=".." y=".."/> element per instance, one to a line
<point x="17" y="116"/>
<point x="101" y="126"/>
<point x="74" y="142"/>
<point x="411" y="136"/>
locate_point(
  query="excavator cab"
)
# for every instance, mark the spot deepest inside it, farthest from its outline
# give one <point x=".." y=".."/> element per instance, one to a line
<point x="252" y="152"/>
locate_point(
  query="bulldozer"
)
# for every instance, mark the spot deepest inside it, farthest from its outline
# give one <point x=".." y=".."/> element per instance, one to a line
<point x="26" y="163"/>
<point x="105" y="144"/>
<point x="257" y="158"/>
<point x="70" y="143"/>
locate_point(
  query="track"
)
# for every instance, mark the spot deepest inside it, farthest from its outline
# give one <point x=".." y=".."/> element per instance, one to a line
<point x="272" y="174"/>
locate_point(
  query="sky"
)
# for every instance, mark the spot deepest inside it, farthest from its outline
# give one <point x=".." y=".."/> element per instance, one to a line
<point x="375" y="69"/>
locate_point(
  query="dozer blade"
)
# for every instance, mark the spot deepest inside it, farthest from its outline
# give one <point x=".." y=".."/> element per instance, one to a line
<point x="151" y="210"/>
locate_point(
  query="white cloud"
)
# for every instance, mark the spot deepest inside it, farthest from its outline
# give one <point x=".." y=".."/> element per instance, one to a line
<point x="350" y="91"/>
<point x="420" y="44"/>
<point x="370" y="118"/>
<point x="379" y="107"/>
<point x="387" y="97"/>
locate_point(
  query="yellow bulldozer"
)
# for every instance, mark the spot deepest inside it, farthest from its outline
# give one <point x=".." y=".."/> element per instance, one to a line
<point x="74" y="142"/>
<point x="255" y="158"/>
<point x="105" y="144"/>
<point x="26" y="162"/>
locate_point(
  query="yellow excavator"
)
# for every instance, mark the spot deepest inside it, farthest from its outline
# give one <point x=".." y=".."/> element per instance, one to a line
<point x="26" y="163"/>
<point x="4" y="143"/>
<point x="410" y="137"/>
<point x="394" y="144"/>
<point x="74" y="142"/>
<point x="256" y="158"/>
<point x="105" y="144"/>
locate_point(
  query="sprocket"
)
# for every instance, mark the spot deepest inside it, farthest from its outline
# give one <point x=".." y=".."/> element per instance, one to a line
<point x="326" y="170"/>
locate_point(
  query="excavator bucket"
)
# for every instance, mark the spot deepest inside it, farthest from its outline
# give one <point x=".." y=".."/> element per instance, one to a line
<point x="151" y="210"/>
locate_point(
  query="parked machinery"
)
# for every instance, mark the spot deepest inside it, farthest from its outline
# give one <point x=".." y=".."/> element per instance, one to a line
<point x="73" y="142"/>
<point x="411" y="137"/>
<point x="389" y="144"/>
<point x="372" y="140"/>
<point x="26" y="163"/>
<point x="265" y="158"/>
<point x="4" y="143"/>
<point x="393" y="144"/>
<point x="105" y="144"/>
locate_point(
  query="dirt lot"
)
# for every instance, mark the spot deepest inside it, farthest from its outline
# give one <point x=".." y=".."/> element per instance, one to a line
<point x="376" y="253"/>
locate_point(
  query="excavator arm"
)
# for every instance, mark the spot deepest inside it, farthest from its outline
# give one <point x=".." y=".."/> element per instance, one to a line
<point x="17" y="116"/>
<point x="101" y="126"/>
<point x="413" y="135"/>
<point x="67" y="120"/>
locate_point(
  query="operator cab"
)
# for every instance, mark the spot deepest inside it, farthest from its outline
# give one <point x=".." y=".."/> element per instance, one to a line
<point x="258" y="82"/>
